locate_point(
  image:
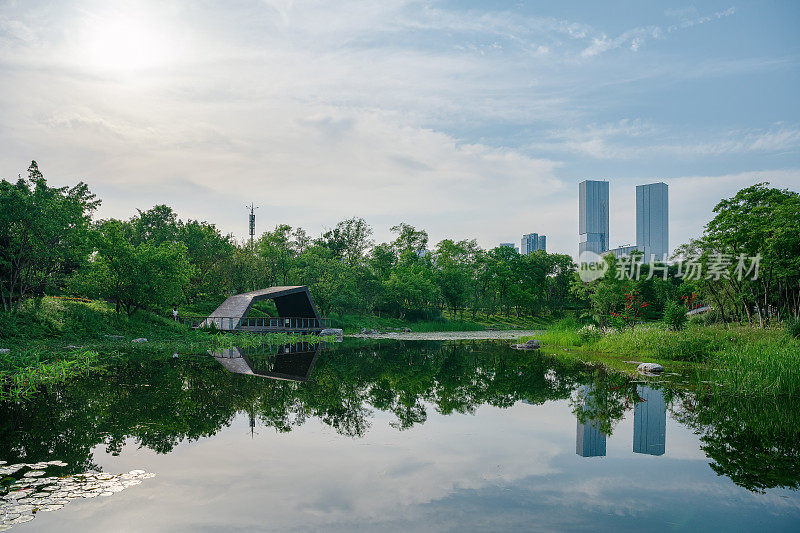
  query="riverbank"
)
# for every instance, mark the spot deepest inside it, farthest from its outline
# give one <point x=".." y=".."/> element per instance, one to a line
<point x="738" y="360"/>
<point x="52" y="340"/>
<point x="449" y="335"/>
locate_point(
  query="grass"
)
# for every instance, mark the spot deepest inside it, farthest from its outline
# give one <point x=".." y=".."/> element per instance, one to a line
<point x="766" y="366"/>
<point x="355" y="323"/>
<point x="735" y="359"/>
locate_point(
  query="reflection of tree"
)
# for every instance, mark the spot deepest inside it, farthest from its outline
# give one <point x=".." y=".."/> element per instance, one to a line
<point x="159" y="402"/>
<point x="753" y="441"/>
<point x="604" y="400"/>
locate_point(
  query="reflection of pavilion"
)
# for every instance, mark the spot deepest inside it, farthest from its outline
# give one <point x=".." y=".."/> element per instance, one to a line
<point x="292" y="362"/>
<point x="649" y="422"/>
<point x="591" y="442"/>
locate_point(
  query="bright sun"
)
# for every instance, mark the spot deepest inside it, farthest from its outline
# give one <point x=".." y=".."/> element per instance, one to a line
<point x="124" y="42"/>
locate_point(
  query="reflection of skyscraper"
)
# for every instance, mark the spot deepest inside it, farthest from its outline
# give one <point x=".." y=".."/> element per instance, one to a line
<point x="590" y="442"/>
<point x="593" y="216"/>
<point x="649" y="422"/>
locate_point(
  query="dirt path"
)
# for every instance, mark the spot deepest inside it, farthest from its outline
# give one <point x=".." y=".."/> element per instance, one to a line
<point x="451" y="335"/>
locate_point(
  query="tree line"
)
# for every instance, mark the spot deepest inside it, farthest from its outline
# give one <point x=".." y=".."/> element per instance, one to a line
<point x="51" y="244"/>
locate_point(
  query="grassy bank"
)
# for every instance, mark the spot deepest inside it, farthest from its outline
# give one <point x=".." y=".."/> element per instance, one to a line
<point x="354" y="323"/>
<point x="52" y="339"/>
<point x="741" y="360"/>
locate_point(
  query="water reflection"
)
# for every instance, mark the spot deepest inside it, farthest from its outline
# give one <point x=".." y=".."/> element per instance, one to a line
<point x="591" y="441"/>
<point x="292" y="362"/>
<point x="649" y="421"/>
<point x="157" y="402"/>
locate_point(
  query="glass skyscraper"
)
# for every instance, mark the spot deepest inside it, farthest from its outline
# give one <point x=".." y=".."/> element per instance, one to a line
<point x="652" y="220"/>
<point x="532" y="242"/>
<point x="593" y="216"/>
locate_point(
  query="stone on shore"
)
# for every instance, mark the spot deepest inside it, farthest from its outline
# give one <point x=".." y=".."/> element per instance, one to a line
<point x="336" y="332"/>
<point x="141" y="339"/>
<point x="4" y="351"/>
<point x="532" y="344"/>
<point x="650" y="368"/>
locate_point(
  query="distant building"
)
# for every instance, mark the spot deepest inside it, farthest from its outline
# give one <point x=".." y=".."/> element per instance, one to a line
<point x="593" y="209"/>
<point x="623" y="251"/>
<point x="649" y="422"/>
<point x="510" y="245"/>
<point x="652" y="220"/>
<point x="532" y="242"/>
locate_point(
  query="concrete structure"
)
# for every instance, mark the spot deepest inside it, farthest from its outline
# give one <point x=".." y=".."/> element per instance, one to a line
<point x="593" y="207"/>
<point x="532" y="242"/>
<point x="649" y="422"/>
<point x="590" y="441"/>
<point x="296" y="310"/>
<point x="510" y="245"/>
<point x="652" y="220"/>
<point x="623" y="251"/>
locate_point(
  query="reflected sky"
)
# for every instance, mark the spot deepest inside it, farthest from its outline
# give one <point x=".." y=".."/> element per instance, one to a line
<point x="489" y="467"/>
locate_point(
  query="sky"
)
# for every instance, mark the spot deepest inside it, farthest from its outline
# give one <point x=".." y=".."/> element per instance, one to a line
<point x="466" y="119"/>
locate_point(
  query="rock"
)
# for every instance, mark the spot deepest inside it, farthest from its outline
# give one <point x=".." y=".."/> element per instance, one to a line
<point x="336" y="332"/>
<point x="406" y="330"/>
<point x="140" y="339"/>
<point x="368" y="331"/>
<point x="4" y="351"/>
<point x="532" y="344"/>
<point x="650" y="369"/>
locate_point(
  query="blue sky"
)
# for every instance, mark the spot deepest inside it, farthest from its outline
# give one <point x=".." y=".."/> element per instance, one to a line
<point x="468" y="119"/>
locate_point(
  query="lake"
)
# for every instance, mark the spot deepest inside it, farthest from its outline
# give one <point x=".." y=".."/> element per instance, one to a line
<point x="394" y="436"/>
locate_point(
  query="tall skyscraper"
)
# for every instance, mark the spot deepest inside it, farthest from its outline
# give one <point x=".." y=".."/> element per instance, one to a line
<point x="652" y="220"/>
<point x="543" y="243"/>
<point x="510" y="245"/>
<point x="532" y="242"/>
<point x="593" y="216"/>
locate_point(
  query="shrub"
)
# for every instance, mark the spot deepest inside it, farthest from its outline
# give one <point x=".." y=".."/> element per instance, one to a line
<point x="590" y="334"/>
<point x="793" y="327"/>
<point x="675" y="315"/>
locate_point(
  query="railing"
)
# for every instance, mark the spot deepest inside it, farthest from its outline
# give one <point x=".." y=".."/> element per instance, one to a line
<point x="256" y="323"/>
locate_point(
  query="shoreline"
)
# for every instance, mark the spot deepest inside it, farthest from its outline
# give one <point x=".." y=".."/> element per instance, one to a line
<point x="503" y="334"/>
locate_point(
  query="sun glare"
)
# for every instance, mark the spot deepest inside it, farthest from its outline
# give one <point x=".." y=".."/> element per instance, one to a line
<point x="122" y="42"/>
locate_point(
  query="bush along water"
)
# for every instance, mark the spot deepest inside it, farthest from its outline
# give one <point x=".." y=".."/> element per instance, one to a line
<point x="675" y="315"/>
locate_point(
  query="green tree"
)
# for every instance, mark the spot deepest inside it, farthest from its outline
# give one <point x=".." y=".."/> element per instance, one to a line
<point x="44" y="234"/>
<point x="150" y="276"/>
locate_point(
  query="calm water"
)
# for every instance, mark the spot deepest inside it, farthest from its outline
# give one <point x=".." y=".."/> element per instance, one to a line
<point x="396" y="436"/>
